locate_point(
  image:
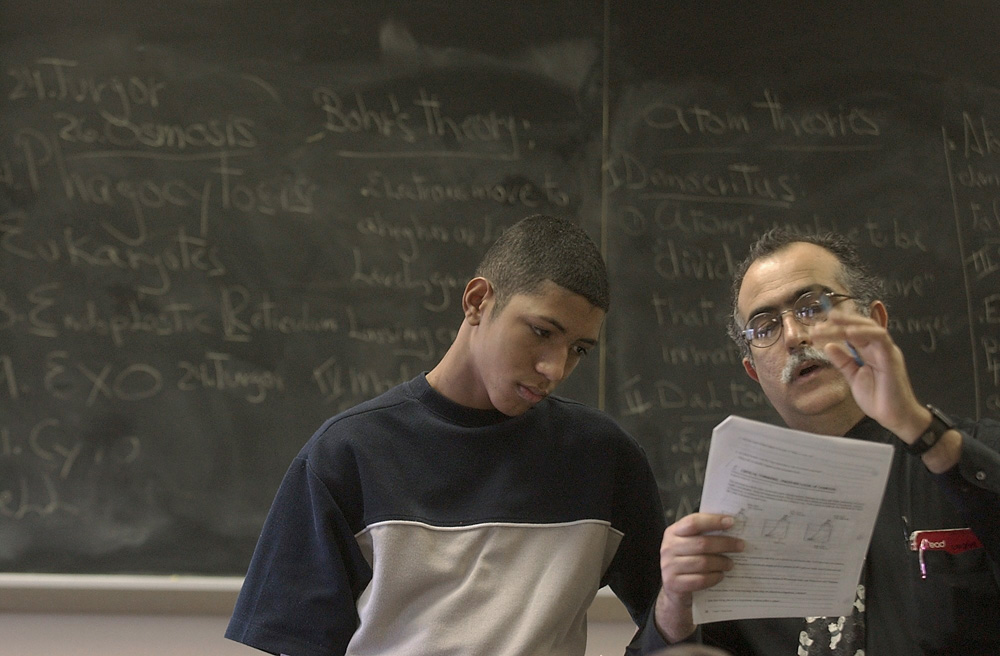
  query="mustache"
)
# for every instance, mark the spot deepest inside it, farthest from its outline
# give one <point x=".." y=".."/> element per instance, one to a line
<point x="800" y="357"/>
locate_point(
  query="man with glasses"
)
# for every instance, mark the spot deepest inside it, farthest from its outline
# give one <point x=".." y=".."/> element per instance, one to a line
<point x="811" y="325"/>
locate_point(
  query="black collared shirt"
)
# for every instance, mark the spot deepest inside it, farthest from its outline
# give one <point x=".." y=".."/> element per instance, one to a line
<point x="955" y="610"/>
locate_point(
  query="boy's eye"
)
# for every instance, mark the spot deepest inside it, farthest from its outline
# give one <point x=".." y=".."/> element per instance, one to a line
<point x="541" y="332"/>
<point x="581" y="350"/>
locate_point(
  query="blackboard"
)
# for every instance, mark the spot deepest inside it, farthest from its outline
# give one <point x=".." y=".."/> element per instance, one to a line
<point x="222" y="221"/>
<point x="877" y="120"/>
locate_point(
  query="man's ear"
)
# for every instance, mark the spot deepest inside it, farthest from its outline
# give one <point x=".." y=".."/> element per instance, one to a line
<point x="477" y="299"/>
<point x="879" y="313"/>
<point x="750" y="369"/>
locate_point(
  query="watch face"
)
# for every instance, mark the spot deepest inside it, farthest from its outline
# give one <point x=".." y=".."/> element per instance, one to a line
<point x="940" y="424"/>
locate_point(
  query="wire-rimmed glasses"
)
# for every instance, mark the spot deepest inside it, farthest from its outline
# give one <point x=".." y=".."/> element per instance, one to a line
<point x="813" y="307"/>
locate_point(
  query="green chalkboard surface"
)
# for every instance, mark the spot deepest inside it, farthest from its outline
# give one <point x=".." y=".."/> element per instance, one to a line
<point x="222" y="221"/>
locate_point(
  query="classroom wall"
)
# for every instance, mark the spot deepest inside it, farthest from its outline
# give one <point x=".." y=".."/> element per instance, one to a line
<point x="152" y="635"/>
<point x="123" y="634"/>
<point x="52" y="615"/>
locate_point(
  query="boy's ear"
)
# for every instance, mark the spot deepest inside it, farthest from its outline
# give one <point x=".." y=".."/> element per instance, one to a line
<point x="477" y="299"/>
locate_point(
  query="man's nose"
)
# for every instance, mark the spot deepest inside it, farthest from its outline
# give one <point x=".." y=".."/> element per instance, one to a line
<point x="795" y="334"/>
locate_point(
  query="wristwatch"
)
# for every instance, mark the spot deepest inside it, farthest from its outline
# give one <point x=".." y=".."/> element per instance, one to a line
<point x="940" y="424"/>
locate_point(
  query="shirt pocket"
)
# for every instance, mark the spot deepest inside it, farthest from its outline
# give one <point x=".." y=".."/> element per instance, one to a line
<point x="958" y="603"/>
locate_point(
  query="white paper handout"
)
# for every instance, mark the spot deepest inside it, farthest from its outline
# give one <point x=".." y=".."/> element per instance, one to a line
<point x="805" y="505"/>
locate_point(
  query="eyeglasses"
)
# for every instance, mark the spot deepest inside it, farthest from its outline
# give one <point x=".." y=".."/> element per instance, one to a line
<point x="811" y="308"/>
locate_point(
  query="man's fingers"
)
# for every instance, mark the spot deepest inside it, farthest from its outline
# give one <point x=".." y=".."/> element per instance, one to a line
<point x="841" y="356"/>
<point x="685" y="583"/>
<point x="698" y="534"/>
<point x="701" y="564"/>
<point x="698" y="523"/>
<point x="701" y="544"/>
<point x="692" y="553"/>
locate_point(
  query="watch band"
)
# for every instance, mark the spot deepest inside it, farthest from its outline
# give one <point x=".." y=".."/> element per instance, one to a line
<point x="940" y="424"/>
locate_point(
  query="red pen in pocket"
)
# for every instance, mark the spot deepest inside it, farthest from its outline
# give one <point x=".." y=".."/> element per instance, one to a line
<point x="951" y="540"/>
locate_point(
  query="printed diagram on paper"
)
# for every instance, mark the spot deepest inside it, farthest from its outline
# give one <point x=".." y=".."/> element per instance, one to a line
<point x="804" y="504"/>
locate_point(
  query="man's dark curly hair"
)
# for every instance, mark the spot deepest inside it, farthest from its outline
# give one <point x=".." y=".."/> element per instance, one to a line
<point x="854" y="275"/>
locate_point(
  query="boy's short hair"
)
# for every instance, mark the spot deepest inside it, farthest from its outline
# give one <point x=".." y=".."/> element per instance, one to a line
<point x="542" y="247"/>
